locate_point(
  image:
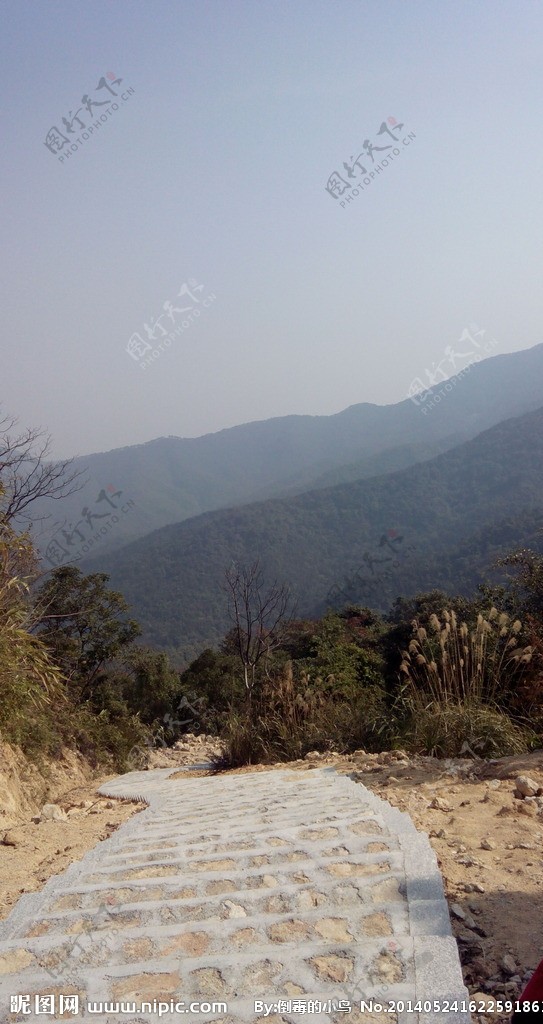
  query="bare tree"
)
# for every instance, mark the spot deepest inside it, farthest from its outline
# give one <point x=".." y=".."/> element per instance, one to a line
<point x="26" y="475"/>
<point x="260" y="616"/>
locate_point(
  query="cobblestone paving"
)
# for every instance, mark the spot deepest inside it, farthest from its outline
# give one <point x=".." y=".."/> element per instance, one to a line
<point x="283" y="887"/>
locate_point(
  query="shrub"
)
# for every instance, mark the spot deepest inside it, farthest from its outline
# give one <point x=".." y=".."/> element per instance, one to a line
<point x="470" y="729"/>
<point x="292" y="716"/>
<point x="460" y="684"/>
<point x="108" y="738"/>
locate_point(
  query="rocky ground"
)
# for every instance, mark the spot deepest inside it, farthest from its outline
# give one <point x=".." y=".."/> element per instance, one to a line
<point x="488" y="840"/>
<point x="484" y="819"/>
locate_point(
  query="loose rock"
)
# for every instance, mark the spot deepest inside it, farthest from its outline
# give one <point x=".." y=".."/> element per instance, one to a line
<point x="52" y="812"/>
<point x="439" y="804"/>
<point x="508" y="964"/>
<point x="527" y="786"/>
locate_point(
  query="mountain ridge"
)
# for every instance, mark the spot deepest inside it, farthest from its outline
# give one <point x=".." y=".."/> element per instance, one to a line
<point x="173" y="576"/>
<point x="167" y="480"/>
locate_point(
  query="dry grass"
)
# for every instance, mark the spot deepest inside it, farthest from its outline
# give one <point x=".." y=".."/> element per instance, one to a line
<point x="458" y="683"/>
<point x="455" y="664"/>
<point x="291" y="717"/>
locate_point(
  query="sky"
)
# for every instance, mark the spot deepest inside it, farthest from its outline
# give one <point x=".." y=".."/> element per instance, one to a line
<point x="200" y="206"/>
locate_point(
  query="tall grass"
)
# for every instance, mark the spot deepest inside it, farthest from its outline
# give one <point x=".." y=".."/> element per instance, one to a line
<point x="31" y="686"/>
<point x="456" y="664"/>
<point x="458" y="686"/>
<point x="471" y="729"/>
<point x="292" y="716"/>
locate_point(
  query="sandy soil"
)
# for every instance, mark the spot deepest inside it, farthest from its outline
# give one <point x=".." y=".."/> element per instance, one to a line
<point x="489" y="846"/>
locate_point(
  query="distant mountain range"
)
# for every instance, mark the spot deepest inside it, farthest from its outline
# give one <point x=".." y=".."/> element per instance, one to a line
<point x="131" y="492"/>
<point x="438" y="523"/>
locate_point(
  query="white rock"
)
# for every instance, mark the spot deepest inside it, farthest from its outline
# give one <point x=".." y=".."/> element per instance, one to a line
<point x="527" y="786"/>
<point x="509" y="964"/>
<point x="440" y="805"/>
<point x="52" y="812"/>
<point x="234" y="909"/>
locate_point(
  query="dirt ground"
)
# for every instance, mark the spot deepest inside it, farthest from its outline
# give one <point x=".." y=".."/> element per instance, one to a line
<point x="488" y="843"/>
<point x="489" y="847"/>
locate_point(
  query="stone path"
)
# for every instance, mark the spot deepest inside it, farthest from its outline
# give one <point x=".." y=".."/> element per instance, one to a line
<point x="282" y="887"/>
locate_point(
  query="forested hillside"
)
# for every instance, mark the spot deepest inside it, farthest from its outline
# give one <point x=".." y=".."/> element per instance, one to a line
<point x="132" y="491"/>
<point x="439" y="523"/>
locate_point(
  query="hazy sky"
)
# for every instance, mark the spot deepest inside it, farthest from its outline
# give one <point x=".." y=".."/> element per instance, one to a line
<point x="214" y="170"/>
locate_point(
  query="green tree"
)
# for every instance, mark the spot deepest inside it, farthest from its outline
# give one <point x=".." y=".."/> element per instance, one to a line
<point x="83" y="624"/>
<point x="343" y="659"/>
<point x="152" y="685"/>
<point x="215" y="677"/>
<point x="526" y="583"/>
